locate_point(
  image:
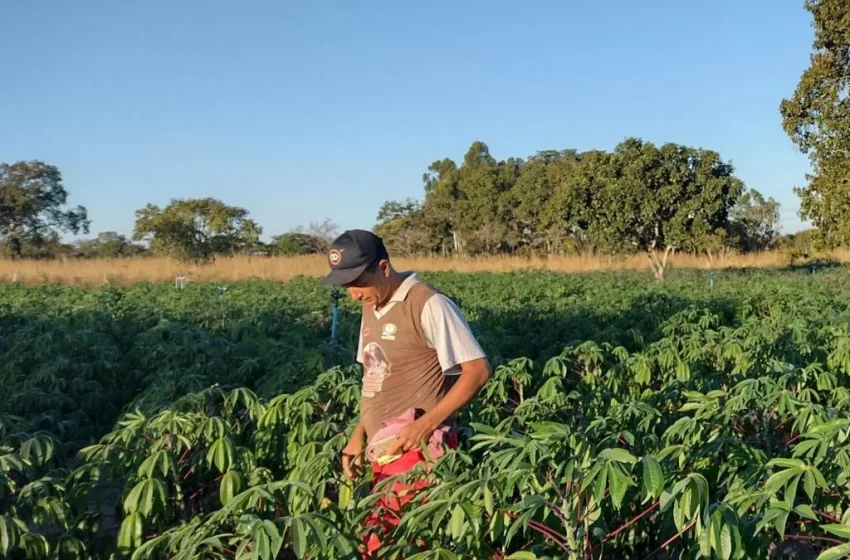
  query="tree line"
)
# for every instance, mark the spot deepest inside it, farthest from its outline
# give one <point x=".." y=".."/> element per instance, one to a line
<point x="638" y="197"/>
<point x="34" y="213"/>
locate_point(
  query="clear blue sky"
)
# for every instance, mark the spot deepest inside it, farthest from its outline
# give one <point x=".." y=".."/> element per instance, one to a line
<point x="300" y="111"/>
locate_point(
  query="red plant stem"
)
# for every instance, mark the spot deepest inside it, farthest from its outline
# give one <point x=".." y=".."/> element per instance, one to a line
<point x="793" y="439"/>
<point x="591" y="510"/>
<point x="825" y="515"/>
<point x="544" y="530"/>
<point x="189" y="473"/>
<point x="588" y="550"/>
<point x="554" y="509"/>
<point x="196" y="494"/>
<point x="555" y="488"/>
<point x="547" y="531"/>
<point x="630" y="523"/>
<point x="811" y="538"/>
<point x="184" y="455"/>
<point x="670" y="540"/>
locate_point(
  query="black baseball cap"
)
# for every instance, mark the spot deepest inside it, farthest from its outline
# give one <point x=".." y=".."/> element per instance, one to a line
<point x="351" y="253"/>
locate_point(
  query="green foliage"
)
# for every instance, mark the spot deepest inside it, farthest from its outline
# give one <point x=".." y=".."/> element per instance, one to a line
<point x="107" y="245"/>
<point x="640" y="197"/>
<point x="754" y="222"/>
<point x="400" y="225"/>
<point x="32" y="213"/>
<point x="622" y="417"/>
<point x="817" y="118"/>
<point x="196" y="229"/>
<point x="292" y="244"/>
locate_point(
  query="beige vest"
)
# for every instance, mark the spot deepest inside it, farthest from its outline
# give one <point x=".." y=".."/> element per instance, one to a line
<point x="400" y="371"/>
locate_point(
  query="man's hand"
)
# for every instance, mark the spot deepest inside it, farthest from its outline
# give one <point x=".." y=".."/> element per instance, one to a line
<point x="474" y="374"/>
<point x="411" y="436"/>
<point x="352" y="454"/>
<point x="352" y="459"/>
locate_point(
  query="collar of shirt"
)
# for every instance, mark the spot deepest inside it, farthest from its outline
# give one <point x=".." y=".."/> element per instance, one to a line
<point x="399" y="295"/>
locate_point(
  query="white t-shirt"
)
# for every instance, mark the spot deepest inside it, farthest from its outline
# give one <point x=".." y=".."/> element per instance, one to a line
<point x="444" y="326"/>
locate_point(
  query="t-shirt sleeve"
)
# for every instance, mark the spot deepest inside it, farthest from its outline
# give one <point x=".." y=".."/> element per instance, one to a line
<point x="448" y="332"/>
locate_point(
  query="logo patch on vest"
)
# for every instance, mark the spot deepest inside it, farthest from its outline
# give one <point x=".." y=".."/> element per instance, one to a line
<point x="376" y="368"/>
<point x="388" y="332"/>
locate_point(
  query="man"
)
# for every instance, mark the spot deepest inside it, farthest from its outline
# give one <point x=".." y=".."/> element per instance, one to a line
<point x="421" y="362"/>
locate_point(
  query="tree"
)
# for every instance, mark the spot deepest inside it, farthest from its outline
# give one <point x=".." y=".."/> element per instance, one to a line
<point x="639" y="197"/>
<point x="439" y="209"/>
<point x="401" y="225"/>
<point x="32" y="201"/>
<point x="799" y="245"/>
<point x="536" y="221"/>
<point x="196" y="229"/>
<point x="293" y="243"/>
<point x="817" y="118"/>
<point x="109" y="245"/>
<point x="481" y="211"/>
<point x="717" y="244"/>
<point x="326" y="230"/>
<point x="754" y="222"/>
<point x="642" y="197"/>
<point x="37" y="247"/>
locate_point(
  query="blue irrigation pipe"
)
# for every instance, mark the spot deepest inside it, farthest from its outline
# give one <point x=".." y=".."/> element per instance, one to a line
<point x="336" y="295"/>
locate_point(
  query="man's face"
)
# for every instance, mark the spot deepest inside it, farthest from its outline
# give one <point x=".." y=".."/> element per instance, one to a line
<point x="372" y="288"/>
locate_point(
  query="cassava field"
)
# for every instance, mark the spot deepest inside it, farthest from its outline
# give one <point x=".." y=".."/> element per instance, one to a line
<point x="706" y="417"/>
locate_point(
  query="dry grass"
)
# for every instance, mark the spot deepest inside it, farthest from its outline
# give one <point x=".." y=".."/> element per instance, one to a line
<point x="127" y="271"/>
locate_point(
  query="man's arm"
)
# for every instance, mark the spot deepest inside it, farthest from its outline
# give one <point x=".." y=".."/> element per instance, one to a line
<point x="352" y="453"/>
<point x="474" y="375"/>
<point x="448" y="332"/>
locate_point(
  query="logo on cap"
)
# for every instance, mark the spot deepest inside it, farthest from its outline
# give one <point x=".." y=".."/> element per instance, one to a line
<point x="335" y="256"/>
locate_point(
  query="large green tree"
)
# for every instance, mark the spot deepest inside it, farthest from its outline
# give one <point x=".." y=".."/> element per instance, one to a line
<point x="652" y="199"/>
<point x="196" y="229"/>
<point x="482" y="211"/>
<point x="537" y="223"/>
<point x="439" y="209"/>
<point x="817" y="118"/>
<point x="639" y="197"/>
<point x="402" y="227"/>
<point x="754" y="222"/>
<point x="33" y="208"/>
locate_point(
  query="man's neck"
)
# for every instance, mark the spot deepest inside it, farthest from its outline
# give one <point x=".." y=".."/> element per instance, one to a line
<point x="396" y="280"/>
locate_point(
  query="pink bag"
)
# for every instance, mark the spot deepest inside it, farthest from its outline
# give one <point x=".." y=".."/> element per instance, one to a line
<point x="383" y="438"/>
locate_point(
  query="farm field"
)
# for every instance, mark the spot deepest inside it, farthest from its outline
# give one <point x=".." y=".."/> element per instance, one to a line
<point x="698" y="418"/>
